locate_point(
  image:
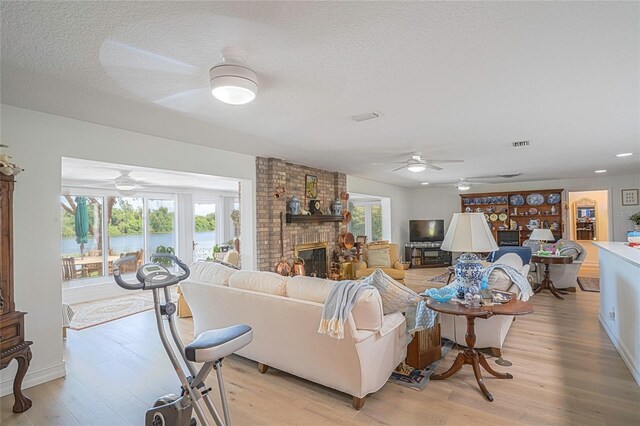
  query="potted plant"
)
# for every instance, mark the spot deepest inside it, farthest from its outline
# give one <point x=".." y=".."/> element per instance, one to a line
<point x="635" y="218"/>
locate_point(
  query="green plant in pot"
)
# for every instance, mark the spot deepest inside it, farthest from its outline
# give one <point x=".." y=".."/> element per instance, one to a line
<point x="635" y="218"/>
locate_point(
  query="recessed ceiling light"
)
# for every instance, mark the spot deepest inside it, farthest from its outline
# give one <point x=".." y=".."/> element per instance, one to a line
<point x="625" y="154"/>
<point x="601" y="171"/>
<point x="424" y="183"/>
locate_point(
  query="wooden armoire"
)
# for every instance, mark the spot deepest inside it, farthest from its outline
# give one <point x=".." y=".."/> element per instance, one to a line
<point x="12" y="343"/>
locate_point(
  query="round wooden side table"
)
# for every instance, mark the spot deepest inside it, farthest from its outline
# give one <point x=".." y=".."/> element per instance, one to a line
<point x="470" y="355"/>
<point x="546" y="282"/>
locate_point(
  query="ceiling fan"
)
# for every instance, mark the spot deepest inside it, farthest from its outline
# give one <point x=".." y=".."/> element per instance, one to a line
<point x="416" y="163"/>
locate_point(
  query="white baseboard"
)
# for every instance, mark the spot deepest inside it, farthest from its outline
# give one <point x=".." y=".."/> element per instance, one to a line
<point x="34" y="378"/>
<point x="632" y="365"/>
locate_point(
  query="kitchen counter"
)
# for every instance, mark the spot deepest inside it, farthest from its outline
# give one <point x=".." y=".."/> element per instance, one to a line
<point x="620" y="300"/>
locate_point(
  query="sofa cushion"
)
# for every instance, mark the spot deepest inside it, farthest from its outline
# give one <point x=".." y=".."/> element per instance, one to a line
<point x="396" y="274"/>
<point x="262" y="282"/>
<point x="211" y="273"/>
<point x="379" y="258"/>
<point x="395" y="296"/>
<point x="367" y="312"/>
<point x="309" y="288"/>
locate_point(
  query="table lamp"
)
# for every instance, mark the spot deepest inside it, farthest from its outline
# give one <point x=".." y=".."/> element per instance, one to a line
<point x="542" y="235"/>
<point x="470" y="234"/>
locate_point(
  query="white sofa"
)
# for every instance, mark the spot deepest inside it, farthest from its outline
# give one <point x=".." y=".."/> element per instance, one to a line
<point x="285" y="314"/>
<point x="490" y="332"/>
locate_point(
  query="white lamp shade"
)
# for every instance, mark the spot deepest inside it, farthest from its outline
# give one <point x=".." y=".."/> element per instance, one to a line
<point x="469" y="232"/>
<point x="542" y="235"/>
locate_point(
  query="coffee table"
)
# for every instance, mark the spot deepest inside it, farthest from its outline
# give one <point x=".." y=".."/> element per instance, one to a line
<point x="546" y="282"/>
<point x="470" y="355"/>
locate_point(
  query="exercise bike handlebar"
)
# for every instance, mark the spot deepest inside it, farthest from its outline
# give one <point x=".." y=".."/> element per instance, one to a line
<point x="174" y="258"/>
<point x="169" y="279"/>
<point x="116" y="274"/>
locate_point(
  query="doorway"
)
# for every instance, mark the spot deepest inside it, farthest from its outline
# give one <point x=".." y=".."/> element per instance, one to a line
<point x="589" y="221"/>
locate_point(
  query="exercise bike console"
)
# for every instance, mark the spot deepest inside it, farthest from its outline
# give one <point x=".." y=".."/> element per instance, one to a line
<point x="151" y="275"/>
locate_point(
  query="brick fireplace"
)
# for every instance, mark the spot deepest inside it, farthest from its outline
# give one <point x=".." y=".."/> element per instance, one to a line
<point x="273" y="173"/>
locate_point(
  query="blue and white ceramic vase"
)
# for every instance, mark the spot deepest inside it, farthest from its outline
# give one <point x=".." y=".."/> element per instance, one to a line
<point x="633" y="236"/>
<point x="336" y="207"/>
<point x="469" y="270"/>
<point x="294" y="205"/>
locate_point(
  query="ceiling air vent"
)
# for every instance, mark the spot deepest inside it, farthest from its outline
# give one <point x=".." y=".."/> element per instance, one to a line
<point x="366" y="117"/>
<point x="519" y="144"/>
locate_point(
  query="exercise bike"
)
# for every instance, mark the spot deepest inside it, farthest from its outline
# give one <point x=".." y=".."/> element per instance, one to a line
<point x="210" y="347"/>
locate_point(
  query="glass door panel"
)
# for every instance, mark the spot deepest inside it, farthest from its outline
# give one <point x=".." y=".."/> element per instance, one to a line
<point x="204" y="231"/>
<point x="161" y="232"/>
<point x="126" y="232"/>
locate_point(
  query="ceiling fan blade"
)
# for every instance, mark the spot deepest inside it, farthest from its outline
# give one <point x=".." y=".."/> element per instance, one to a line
<point x="431" y="166"/>
<point x="399" y="168"/>
<point x="445" y="161"/>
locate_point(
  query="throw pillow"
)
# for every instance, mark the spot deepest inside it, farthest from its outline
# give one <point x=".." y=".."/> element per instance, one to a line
<point x="395" y="296"/>
<point x="379" y="258"/>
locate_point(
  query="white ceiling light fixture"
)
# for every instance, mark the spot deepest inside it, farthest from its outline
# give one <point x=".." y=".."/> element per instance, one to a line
<point x="424" y="183"/>
<point x="124" y="182"/>
<point x="417" y="168"/>
<point x="463" y="185"/>
<point x="231" y="81"/>
<point x="625" y="154"/>
<point x="600" y="171"/>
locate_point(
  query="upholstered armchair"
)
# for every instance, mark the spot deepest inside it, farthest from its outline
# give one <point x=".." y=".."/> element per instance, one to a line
<point x="490" y="332"/>
<point x="385" y="257"/>
<point x="563" y="276"/>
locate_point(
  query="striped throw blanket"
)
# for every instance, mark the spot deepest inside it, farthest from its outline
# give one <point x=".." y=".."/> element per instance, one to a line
<point x="338" y="306"/>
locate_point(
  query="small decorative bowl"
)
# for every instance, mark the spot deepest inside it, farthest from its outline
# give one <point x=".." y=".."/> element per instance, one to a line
<point x="441" y="295"/>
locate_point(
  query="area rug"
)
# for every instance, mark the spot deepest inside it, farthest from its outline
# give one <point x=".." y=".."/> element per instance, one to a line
<point x="589" y="284"/>
<point x="90" y="314"/>
<point x="417" y="378"/>
<point x="442" y="278"/>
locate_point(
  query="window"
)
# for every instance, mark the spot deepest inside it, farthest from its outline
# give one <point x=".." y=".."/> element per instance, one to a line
<point x="366" y="219"/>
<point x="204" y="235"/>
<point x="116" y="227"/>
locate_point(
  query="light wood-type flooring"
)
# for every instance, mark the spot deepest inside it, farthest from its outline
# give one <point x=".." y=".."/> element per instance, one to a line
<point x="566" y="371"/>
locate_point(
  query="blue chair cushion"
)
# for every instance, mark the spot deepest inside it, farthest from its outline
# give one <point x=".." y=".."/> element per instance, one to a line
<point x="523" y="252"/>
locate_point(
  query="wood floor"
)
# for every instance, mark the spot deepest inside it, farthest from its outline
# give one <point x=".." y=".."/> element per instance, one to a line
<point x="566" y="371"/>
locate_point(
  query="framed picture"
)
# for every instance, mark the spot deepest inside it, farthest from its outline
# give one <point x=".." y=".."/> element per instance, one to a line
<point x="311" y="186"/>
<point x="629" y="197"/>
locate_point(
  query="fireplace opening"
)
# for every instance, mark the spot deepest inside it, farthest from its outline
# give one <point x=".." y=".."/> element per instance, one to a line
<point x="316" y="258"/>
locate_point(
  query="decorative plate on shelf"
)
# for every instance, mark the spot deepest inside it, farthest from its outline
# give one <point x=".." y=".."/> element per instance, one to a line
<point x="485" y="200"/>
<point x="535" y="199"/>
<point x="553" y="199"/>
<point x="466" y="201"/>
<point x="503" y="199"/>
<point x="516" y="200"/>
<point x="493" y="217"/>
<point x="486" y="216"/>
<point x="533" y="210"/>
<point x="477" y="200"/>
<point x="494" y="200"/>
<point x="502" y="217"/>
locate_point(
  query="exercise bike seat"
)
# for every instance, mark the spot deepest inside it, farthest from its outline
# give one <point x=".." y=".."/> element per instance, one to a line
<point x="213" y="345"/>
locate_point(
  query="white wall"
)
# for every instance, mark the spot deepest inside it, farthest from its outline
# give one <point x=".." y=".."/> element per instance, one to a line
<point x="399" y="199"/>
<point x="38" y="142"/>
<point x="442" y="202"/>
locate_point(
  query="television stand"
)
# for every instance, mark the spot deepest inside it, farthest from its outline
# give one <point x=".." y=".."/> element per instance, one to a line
<point x="426" y="255"/>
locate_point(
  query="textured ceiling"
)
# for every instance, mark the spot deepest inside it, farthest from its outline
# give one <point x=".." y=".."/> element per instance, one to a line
<point x="453" y="80"/>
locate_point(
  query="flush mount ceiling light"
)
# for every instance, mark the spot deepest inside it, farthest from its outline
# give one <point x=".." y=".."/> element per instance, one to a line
<point x="231" y="81"/>
<point x="625" y="154"/>
<point x="424" y="183"/>
<point x="600" y="171"/>
<point x="463" y="185"/>
<point x="416" y="168"/>
<point x="124" y="182"/>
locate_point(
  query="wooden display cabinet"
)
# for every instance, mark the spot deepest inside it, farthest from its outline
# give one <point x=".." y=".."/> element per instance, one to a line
<point x="500" y="203"/>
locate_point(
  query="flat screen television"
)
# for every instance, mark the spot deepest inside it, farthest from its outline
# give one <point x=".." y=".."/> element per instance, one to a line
<point x="422" y="231"/>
